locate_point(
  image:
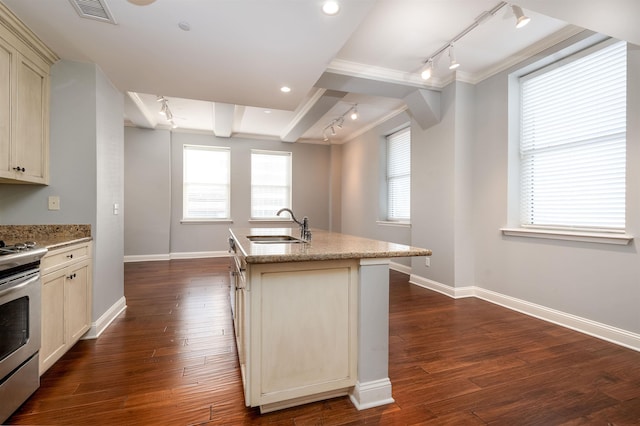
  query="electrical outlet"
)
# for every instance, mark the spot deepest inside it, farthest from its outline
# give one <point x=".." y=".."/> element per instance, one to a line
<point x="54" y="202"/>
<point x="427" y="261"/>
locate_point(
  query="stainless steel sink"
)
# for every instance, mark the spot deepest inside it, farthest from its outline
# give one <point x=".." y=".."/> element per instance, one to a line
<point x="274" y="239"/>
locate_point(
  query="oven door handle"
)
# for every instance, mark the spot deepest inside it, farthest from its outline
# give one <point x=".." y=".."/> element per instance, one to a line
<point x="23" y="284"/>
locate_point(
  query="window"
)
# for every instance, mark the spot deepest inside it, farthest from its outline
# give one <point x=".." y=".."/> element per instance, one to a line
<point x="399" y="176"/>
<point x="270" y="183"/>
<point x="206" y="182"/>
<point x="573" y="142"/>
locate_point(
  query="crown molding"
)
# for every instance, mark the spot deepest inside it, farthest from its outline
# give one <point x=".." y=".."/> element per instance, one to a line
<point x="354" y="69"/>
<point x="528" y="52"/>
<point x="12" y="23"/>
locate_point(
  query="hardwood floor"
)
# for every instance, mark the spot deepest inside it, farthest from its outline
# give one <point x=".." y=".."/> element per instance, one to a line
<point x="170" y="360"/>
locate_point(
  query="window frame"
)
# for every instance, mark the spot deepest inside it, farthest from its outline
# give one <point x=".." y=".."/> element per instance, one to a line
<point x="515" y="225"/>
<point x="289" y="186"/>
<point x="389" y="219"/>
<point x="191" y="219"/>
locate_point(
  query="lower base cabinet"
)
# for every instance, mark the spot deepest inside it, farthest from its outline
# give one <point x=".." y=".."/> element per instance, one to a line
<point x="66" y="300"/>
<point x="298" y="332"/>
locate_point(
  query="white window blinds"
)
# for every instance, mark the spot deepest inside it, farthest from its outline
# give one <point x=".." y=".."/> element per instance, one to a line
<point x="399" y="175"/>
<point x="206" y="182"/>
<point x="270" y="183"/>
<point x="573" y="142"/>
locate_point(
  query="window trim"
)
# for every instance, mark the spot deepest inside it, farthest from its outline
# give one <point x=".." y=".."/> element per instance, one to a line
<point x="514" y="228"/>
<point x="194" y="220"/>
<point x="288" y="154"/>
<point x="569" y="235"/>
<point x="387" y="220"/>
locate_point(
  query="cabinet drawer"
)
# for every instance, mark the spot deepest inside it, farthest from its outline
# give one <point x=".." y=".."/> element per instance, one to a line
<point x="60" y="258"/>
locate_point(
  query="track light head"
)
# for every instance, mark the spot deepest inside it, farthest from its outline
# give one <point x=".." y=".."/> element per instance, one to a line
<point x="333" y="131"/>
<point x="453" y="64"/>
<point x="354" y="112"/>
<point x="521" y="19"/>
<point x="428" y="70"/>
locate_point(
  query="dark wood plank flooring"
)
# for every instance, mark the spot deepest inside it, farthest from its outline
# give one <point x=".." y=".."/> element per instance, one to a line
<point x="170" y="360"/>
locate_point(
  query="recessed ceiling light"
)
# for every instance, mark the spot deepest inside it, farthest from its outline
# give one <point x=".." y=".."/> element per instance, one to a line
<point x="285" y="89"/>
<point x="184" y="26"/>
<point x="331" y="7"/>
<point x="267" y="111"/>
<point x="141" y="2"/>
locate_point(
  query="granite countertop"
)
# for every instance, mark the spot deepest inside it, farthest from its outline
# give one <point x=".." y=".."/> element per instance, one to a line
<point x="49" y="236"/>
<point x="324" y="245"/>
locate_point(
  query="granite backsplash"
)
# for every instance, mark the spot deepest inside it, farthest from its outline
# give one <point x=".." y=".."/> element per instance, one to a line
<point x="44" y="235"/>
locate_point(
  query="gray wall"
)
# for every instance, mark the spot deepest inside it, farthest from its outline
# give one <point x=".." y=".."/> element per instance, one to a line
<point x="146" y="233"/>
<point x="363" y="185"/>
<point x="595" y="281"/>
<point x="459" y="203"/>
<point x="108" y="267"/>
<point x="86" y="172"/>
<point x="147" y="176"/>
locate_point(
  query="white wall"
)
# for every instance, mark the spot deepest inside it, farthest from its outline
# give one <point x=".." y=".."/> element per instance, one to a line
<point x="151" y="156"/>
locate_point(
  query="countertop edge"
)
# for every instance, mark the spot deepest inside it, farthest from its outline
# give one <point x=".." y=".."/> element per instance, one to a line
<point x="251" y="258"/>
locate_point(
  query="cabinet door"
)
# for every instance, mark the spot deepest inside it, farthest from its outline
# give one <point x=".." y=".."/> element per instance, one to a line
<point x="303" y="325"/>
<point x="78" y="300"/>
<point x="53" y="333"/>
<point x="31" y="130"/>
<point x="7" y="56"/>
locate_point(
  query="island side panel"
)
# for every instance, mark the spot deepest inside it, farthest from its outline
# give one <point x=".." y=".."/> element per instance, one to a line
<point x="304" y="319"/>
<point x="373" y="387"/>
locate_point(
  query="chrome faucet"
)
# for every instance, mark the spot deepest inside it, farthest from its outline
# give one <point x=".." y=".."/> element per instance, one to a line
<point x="305" y="233"/>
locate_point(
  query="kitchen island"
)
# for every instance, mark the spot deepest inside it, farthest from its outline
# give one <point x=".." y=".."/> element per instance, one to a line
<point x="311" y="318"/>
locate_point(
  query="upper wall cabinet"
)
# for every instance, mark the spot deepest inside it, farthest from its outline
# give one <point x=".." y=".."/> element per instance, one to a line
<point x="25" y="63"/>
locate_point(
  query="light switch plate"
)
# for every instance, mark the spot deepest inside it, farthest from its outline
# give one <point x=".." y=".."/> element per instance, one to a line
<point x="54" y="202"/>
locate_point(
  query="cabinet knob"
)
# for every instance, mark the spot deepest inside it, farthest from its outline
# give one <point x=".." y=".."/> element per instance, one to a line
<point x="70" y="256"/>
<point x="19" y="169"/>
<point x="72" y="276"/>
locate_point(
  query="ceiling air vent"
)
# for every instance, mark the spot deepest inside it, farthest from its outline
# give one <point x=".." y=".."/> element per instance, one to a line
<point x="93" y="9"/>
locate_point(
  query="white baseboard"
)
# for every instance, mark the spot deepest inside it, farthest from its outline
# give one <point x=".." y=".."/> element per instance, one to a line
<point x="105" y="319"/>
<point x="400" y="267"/>
<point x="170" y="256"/>
<point x="583" y="325"/>
<point x="146" y="258"/>
<point x="371" y="394"/>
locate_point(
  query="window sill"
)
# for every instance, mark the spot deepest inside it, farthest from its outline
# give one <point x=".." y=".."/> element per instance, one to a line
<point x="567" y="235"/>
<point x="392" y="223"/>
<point x="204" y="221"/>
<point x="270" y="220"/>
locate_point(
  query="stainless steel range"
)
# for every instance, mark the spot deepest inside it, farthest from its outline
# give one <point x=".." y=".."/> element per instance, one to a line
<point x="20" y="289"/>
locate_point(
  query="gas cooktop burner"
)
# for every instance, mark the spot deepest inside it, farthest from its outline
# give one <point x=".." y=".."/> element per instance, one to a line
<point x="16" y="248"/>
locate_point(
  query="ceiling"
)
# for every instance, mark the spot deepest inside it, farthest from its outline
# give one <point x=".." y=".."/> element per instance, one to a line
<point x="223" y="75"/>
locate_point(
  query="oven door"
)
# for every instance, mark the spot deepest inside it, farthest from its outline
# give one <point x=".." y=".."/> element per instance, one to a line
<point x="19" y="320"/>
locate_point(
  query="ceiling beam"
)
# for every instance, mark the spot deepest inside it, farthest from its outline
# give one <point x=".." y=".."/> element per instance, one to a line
<point x="318" y="105"/>
<point x="136" y="111"/>
<point x="223" y="115"/>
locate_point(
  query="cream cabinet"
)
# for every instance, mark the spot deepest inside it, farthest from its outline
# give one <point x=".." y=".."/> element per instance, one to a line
<point x="66" y="300"/>
<point x="24" y="103"/>
<point x="297" y="325"/>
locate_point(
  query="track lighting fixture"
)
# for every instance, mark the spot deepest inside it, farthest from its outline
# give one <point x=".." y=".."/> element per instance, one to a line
<point x="354" y="112"/>
<point x="164" y="110"/>
<point x="453" y="64"/>
<point x="427" y="70"/>
<point x="339" y="122"/>
<point x="521" y="21"/>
